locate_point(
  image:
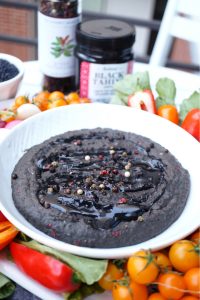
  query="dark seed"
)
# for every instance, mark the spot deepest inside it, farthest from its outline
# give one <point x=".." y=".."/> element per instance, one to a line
<point x="14" y="176"/>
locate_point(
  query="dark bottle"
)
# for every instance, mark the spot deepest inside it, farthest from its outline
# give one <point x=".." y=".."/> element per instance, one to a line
<point x="57" y="20"/>
<point x="104" y="53"/>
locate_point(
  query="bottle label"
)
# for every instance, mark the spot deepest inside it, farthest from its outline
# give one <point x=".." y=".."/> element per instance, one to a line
<point x="97" y="80"/>
<point x="56" y="42"/>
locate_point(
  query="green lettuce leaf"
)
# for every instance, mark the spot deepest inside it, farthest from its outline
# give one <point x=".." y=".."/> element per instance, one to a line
<point x="188" y="104"/>
<point x="166" y="90"/>
<point x="7" y="287"/>
<point x="87" y="270"/>
<point x="129" y="85"/>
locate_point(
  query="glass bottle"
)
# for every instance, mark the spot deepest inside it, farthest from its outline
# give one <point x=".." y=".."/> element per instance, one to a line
<point x="57" y="20"/>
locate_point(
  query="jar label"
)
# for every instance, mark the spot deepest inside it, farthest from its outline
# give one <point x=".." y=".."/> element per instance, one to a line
<point x="97" y="80"/>
<point x="56" y="42"/>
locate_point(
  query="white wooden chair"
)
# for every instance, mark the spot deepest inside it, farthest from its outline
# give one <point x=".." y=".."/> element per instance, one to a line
<point x="181" y="20"/>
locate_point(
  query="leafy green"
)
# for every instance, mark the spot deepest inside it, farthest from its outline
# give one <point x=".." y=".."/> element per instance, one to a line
<point x="84" y="291"/>
<point x="87" y="270"/>
<point x="7" y="287"/>
<point x="166" y="90"/>
<point x="188" y="104"/>
<point x="129" y="85"/>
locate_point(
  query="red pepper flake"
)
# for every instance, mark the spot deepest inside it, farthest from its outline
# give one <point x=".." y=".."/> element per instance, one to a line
<point x="49" y="225"/>
<point x="101" y="156"/>
<point x="136" y="152"/>
<point x="122" y="200"/>
<point x="115" y="171"/>
<point x="104" y="172"/>
<point x="116" y="233"/>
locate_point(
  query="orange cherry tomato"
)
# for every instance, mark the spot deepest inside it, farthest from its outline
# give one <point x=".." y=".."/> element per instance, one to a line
<point x="156" y="296"/>
<point x="73" y="98"/>
<point x="7" y="233"/>
<point x="162" y="261"/>
<point x="192" y="281"/>
<point x="56" y="96"/>
<point x="142" y="267"/>
<point x="195" y="237"/>
<point x="56" y="103"/>
<point x="189" y="298"/>
<point x="112" y="273"/>
<point x="171" y="285"/>
<point x="123" y="290"/>
<point x="41" y="100"/>
<point x="184" y="255"/>
<point x="168" y="112"/>
<point x="21" y="100"/>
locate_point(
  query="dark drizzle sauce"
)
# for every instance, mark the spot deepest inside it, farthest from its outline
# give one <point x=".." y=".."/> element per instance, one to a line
<point x="104" y="186"/>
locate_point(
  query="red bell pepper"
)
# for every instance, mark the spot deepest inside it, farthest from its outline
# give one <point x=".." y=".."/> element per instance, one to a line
<point x="143" y="100"/>
<point x="191" y="123"/>
<point x="45" y="269"/>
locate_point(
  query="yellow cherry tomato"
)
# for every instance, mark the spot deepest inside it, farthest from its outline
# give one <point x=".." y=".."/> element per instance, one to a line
<point x="112" y="273"/>
<point x="56" y="96"/>
<point x="142" y="267"/>
<point x="184" y="255"/>
<point x="56" y="103"/>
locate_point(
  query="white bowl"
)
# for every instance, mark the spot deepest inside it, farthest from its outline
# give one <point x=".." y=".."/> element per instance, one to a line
<point x="8" y="88"/>
<point x="44" y="125"/>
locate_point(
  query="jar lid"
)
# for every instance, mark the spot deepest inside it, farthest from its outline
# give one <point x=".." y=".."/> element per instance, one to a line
<point x="105" y="34"/>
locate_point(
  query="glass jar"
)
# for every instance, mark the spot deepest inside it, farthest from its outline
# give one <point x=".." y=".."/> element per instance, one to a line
<point x="104" y="54"/>
<point x="57" y="21"/>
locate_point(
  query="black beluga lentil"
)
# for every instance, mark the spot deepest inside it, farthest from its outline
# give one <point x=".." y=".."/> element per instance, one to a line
<point x="7" y="70"/>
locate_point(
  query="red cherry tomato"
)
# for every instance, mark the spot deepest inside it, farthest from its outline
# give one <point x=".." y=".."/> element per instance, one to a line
<point x="191" y="123"/>
<point x="45" y="269"/>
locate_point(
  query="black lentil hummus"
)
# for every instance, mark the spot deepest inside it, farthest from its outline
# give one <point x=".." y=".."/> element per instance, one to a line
<point x="100" y="188"/>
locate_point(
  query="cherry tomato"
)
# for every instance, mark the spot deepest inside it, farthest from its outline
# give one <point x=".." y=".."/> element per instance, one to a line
<point x="162" y="261"/>
<point x="191" y="123"/>
<point x="156" y="296"/>
<point x="73" y="98"/>
<point x="56" y="96"/>
<point x="195" y="237"/>
<point x="192" y="281"/>
<point x="45" y="269"/>
<point x="56" y="103"/>
<point x="171" y="285"/>
<point x="123" y="290"/>
<point x="21" y="100"/>
<point x="169" y="112"/>
<point x="184" y="255"/>
<point x="189" y="298"/>
<point x="142" y="267"/>
<point x="41" y="100"/>
<point x="112" y="273"/>
<point x="7" y="233"/>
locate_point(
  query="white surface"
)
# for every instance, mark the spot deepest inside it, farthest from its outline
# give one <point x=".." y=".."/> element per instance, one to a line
<point x="181" y="20"/>
<point x="35" y="130"/>
<point x="8" y="88"/>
